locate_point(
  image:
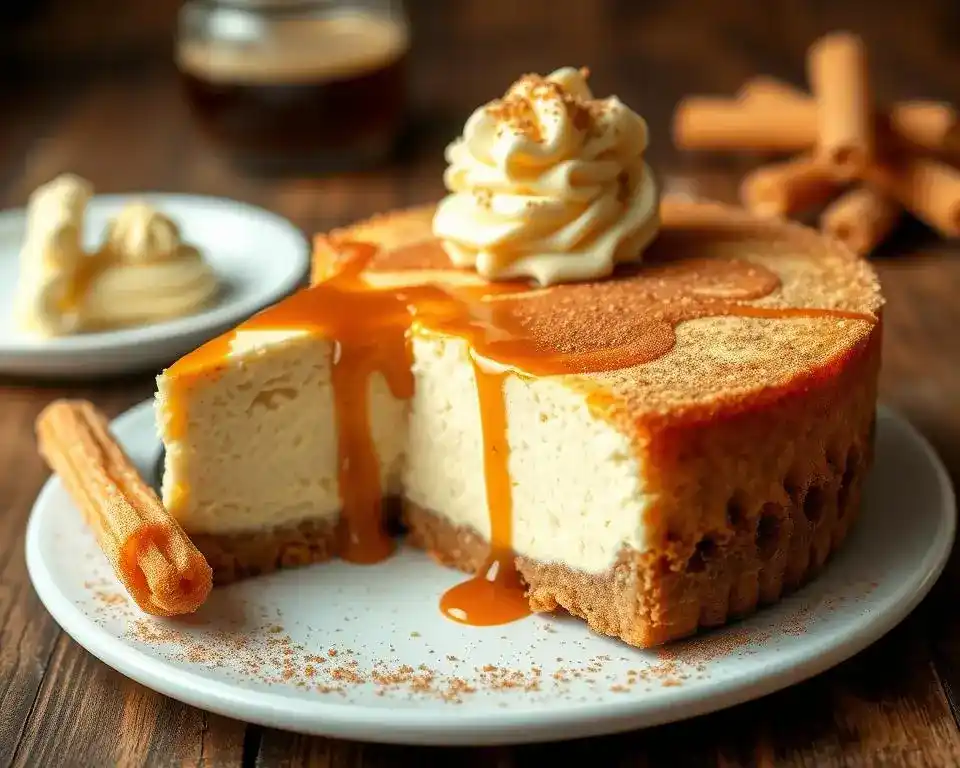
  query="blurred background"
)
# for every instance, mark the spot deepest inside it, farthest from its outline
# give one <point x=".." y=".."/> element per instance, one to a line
<point x="271" y="102"/>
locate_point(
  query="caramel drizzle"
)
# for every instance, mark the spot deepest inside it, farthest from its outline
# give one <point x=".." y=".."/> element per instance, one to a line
<point x="508" y="330"/>
<point x="495" y="594"/>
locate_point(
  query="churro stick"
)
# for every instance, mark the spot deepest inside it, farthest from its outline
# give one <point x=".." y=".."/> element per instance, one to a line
<point x="861" y="218"/>
<point x="160" y="567"/>
<point x="837" y="69"/>
<point x="785" y="189"/>
<point x="927" y="188"/>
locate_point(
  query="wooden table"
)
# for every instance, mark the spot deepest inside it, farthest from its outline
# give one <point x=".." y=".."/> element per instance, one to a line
<point x="98" y="97"/>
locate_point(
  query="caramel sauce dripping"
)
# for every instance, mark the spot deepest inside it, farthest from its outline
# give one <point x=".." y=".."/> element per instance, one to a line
<point x="511" y="328"/>
<point x="368" y="329"/>
<point x="495" y="594"/>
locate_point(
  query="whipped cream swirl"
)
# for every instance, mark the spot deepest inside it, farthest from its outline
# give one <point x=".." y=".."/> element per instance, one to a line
<point x="141" y="234"/>
<point x="548" y="183"/>
<point x="143" y="272"/>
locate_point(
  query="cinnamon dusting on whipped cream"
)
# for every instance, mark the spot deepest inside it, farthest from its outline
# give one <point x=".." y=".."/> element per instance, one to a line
<point x="548" y="182"/>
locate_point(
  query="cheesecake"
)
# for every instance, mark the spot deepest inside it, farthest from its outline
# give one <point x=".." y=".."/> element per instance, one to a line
<point x="657" y="422"/>
<point x="660" y="451"/>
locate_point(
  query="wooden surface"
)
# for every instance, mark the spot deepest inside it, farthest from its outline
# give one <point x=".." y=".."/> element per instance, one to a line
<point x="100" y="99"/>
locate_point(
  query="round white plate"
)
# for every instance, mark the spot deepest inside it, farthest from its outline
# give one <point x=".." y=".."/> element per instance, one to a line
<point x="362" y="652"/>
<point x="258" y="256"/>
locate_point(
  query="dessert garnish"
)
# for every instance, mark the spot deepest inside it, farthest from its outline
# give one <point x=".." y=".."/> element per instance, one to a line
<point x="549" y="183"/>
<point x="142" y="273"/>
<point x="860" y="163"/>
<point x="152" y="557"/>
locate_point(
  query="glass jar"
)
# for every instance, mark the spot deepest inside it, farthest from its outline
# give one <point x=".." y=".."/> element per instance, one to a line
<point x="296" y="85"/>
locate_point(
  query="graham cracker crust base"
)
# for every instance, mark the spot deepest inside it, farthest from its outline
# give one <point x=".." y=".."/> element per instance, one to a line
<point x="647" y="599"/>
<point x="237" y="556"/>
<point x="243" y="555"/>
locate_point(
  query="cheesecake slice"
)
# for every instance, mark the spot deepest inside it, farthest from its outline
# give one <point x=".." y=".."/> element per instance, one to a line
<point x="659" y="451"/>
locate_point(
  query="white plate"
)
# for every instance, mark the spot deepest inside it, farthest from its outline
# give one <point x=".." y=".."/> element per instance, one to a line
<point x="249" y="650"/>
<point x="258" y="256"/>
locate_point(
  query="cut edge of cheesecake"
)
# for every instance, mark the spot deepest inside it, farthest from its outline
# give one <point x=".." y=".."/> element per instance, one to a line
<point x="736" y="500"/>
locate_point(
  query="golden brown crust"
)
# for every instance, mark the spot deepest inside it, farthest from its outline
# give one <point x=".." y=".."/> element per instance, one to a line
<point x="242" y="555"/>
<point x="719" y="365"/>
<point x="703" y="472"/>
<point x="237" y="556"/>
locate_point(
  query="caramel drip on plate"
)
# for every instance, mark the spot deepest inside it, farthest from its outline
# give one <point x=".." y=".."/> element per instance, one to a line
<point x="495" y="595"/>
<point x="511" y="328"/>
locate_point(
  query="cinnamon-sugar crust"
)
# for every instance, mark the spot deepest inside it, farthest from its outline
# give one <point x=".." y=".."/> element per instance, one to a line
<point x="719" y="364"/>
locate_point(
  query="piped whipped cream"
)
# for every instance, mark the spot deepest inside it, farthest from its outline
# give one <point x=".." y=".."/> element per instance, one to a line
<point x="140" y="233"/>
<point x="148" y="272"/>
<point x="549" y="183"/>
<point x="143" y="272"/>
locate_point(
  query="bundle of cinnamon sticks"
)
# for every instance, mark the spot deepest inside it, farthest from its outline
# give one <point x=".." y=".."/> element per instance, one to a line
<point x="858" y="162"/>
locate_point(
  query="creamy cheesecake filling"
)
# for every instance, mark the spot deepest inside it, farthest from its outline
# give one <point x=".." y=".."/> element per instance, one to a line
<point x="257" y="448"/>
<point x="569" y="504"/>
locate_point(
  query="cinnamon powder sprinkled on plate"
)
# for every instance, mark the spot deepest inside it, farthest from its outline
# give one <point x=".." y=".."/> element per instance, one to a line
<point x="272" y="657"/>
<point x="703" y="650"/>
<point x="264" y="652"/>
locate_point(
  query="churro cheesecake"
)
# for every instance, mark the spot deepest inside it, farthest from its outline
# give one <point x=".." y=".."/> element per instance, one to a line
<point x="654" y="414"/>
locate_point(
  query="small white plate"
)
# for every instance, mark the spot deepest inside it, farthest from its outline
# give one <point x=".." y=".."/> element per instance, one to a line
<point x="258" y="256"/>
<point x="362" y="652"/>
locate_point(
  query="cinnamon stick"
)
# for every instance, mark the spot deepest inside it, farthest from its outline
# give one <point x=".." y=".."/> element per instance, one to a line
<point x="703" y="122"/>
<point x="927" y="188"/>
<point x="837" y="70"/>
<point x="151" y="555"/>
<point x="861" y="218"/>
<point x="788" y="188"/>
<point x="767" y="120"/>
<point x="929" y="126"/>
